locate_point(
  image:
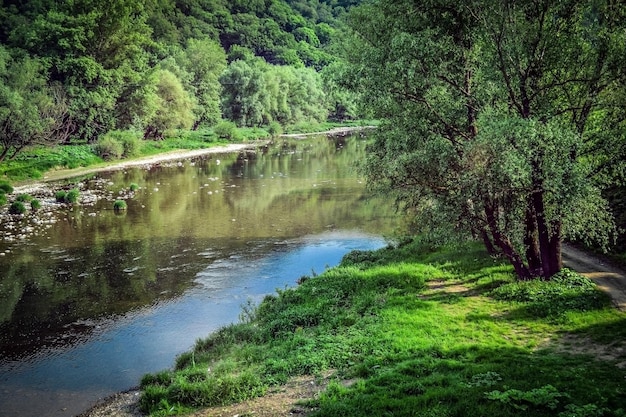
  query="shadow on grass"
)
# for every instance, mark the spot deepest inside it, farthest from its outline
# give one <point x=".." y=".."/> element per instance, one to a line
<point x="476" y="381"/>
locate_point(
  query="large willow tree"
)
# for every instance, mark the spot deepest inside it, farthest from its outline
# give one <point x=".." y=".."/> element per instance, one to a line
<point x="501" y="118"/>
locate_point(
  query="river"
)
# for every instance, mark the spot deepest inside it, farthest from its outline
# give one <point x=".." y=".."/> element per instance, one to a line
<point x="94" y="298"/>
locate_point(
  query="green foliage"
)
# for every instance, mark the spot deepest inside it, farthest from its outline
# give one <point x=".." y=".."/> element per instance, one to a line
<point x="119" y="205"/>
<point x="274" y="129"/>
<point x="109" y="148"/>
<point x="6" y="187"/>
<point x="226" y="130"/>
<point x="546" y="396"/>
<point x="69" y="197"/>
<point x="566" y="291"/>
<point x="72" y="196"/>
<point x="255" y="94"/>
<point x="35" y="204"/>
<point x="479" y="129"/>
<point x="384" y="321"/>
<point x="174" y="106"/>
<point x="30" y="109"/>
<point x="60" y="196"/>
<point x="3" y="199"/>
<point x="17" y="207"/>
<point x="133" y="186"/>
<point x="24" y="198"/>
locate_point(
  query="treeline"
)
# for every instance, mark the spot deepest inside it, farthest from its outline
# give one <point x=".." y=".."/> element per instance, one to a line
<point x="75" y="70"/>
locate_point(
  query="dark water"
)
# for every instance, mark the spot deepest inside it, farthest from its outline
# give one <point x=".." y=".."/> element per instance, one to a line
<point x="99" y="298"/>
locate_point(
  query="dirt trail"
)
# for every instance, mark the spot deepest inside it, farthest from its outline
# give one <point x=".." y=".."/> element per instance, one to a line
<point x="608" y="277"/>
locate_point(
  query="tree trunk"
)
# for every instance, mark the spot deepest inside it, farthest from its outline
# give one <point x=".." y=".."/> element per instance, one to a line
<point x="505" y="245"/>
<point x="549" y="240"/>
<point x="531" y="243"/>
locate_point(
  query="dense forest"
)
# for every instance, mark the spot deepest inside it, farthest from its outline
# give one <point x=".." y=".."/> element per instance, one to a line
<point x="501" y="120"/>
<point x="74" y="70"/>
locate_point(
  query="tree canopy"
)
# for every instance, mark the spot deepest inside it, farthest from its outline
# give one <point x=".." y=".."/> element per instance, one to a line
<point x="501" y="119"/>
<point x="107" y="64"/>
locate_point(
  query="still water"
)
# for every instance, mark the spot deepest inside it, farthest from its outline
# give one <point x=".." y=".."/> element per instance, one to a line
<point x="99" y="298"/>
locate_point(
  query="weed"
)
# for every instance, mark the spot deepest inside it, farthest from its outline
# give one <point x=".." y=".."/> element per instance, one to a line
<point x="6" y="187"/>
<point x="566" y="291"/>
<point x="24" y="198"/>
<point x="119" y="205"/>
<point x="17" y="207"/>
<point x="72" y="196"/>
<point x="35" y="204"/>
<point x="546" y="396"/>
<point x="226" y="130"/>
<point x="60" y="196"/>
<point x="109" y="148"/>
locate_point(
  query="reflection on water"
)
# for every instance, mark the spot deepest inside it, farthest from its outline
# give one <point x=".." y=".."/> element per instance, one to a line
<point x="102" y="298"/>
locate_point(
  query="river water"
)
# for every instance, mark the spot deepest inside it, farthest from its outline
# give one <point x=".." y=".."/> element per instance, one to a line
<point x="95" y="300"/>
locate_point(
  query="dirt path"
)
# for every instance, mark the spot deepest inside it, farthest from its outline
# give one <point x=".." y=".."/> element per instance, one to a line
<point x="608" y="277"/>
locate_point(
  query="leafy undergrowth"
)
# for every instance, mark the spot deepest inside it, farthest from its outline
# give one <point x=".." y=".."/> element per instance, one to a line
<point x="484" y="351"/>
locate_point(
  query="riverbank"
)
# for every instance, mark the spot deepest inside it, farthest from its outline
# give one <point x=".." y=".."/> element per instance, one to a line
<point x="401" y="330"/>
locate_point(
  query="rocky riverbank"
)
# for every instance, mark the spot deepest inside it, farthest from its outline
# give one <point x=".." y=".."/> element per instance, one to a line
<point x="19" y="227"/>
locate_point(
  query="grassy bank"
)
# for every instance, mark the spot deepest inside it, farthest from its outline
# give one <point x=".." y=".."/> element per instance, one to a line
<point x="416" y="332"/>
<point x="32" y="164"/>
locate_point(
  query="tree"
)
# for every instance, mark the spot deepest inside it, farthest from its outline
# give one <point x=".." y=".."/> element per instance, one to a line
<point x="499" y="117"/>
<point x="205" y="61"/>
<point x="96" y="51"/>
<point x="31" y="111"/>
<point x="174" y="108"/>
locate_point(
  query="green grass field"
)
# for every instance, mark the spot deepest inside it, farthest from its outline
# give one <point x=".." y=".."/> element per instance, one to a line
<point x="419" y="332"/>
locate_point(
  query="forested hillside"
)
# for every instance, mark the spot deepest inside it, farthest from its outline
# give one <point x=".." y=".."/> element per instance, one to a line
<point x="74" y="70"/>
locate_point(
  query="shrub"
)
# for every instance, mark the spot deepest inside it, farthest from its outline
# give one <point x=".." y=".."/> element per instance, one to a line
<point x="35" y="204"/>
<point x="226" y="130"/>
<point x="3" y="199"/>
<point x="24" y="198"/>
<point x="130" y="140"/>
<point x="72" y="196"/>
<point x="67" y="196"/>
<point x="134" y="186"/>
<point x="566" y="291"/>
<point x="6" y="187"/>
<point x="17" y="207"/>
<point x="275" y="129"/>
<point x="60" y="196"/>
<point x="109" y="148"/>
<point x="120" y="205"/>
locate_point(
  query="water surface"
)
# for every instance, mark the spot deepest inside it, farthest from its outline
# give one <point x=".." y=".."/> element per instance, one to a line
<point x="99" y="298"/>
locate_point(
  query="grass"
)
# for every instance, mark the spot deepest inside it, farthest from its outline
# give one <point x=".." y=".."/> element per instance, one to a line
<point x="422" y="332"/>
<point x="35" y="162"/>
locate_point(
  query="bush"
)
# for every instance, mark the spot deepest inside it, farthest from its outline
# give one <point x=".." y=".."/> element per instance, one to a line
<point x="275" y="129"/>
<point x="134" y="186"/>
<point x="3" y="199"/>
<point x="6" y="187"/>
<point x="226" y="130"/>
<point x="109" y="148"/>
<point x="60" y="196"/>
<point x="72" y="196"/>
<point x="35" y="204"/>
<point x="24" y="198"/>
<point x="566" y="291"/>
<point x="130" y="140"/>
<point x="17" y="207"/>
<point x="120" y="205"/>
<point x="67" y="196"/>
